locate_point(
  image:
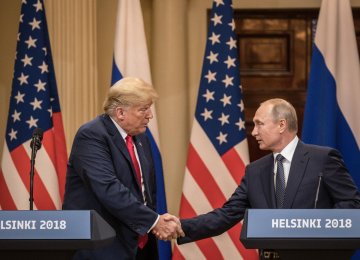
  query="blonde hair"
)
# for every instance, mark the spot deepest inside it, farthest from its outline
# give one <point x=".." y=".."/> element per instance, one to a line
<point x="129" y="92"/>
<point x="283" y="109"/>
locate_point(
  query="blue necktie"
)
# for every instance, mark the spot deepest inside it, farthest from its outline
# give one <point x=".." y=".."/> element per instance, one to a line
<point x="280" y="181"/>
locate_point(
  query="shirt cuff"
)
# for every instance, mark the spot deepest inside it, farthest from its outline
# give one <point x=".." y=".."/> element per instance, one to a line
<point x="156" y="221"/>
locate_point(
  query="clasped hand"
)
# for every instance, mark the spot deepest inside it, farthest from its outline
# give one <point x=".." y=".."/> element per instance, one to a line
<point x="168" y="227"/>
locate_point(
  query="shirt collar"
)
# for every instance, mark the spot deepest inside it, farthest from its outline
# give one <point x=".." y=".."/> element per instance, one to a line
<point x="121" y="131"/>
<point x="289" y="150"/>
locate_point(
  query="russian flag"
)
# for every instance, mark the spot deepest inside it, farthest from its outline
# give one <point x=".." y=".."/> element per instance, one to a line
<point x="131" y="60"/>
<point x="332" y="111"/>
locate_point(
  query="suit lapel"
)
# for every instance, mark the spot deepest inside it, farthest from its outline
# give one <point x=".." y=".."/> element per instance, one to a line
<point x="296" y="174"/>
<point x="119" y="143"/>
<point x="144" y="164"/>
<point x="267" y="177"/>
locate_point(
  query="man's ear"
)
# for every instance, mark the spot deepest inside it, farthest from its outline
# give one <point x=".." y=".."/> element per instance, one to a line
<point x="120" y="113"/>
<point x="282" y="125"/>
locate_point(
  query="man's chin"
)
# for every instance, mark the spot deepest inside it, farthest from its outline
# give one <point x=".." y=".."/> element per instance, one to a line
<point x="142" y="130"/>
<point x="263" y="147"/>
<point x="138" y="131"/>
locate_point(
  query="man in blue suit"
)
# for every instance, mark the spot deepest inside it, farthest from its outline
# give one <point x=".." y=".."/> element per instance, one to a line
<point x="111" y="170"/>
<point x="286" y="178"/>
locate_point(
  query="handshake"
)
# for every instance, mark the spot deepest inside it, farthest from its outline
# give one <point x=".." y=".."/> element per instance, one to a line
<point x="168" y="227"/>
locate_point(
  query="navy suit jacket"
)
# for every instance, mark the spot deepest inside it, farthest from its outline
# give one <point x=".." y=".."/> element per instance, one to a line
<point x="337" y="190"/>
<point x="100" y="176"/>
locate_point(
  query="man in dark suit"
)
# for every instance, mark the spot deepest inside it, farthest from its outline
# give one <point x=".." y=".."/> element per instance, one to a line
<point x="286" y="178"/>
<point x="111" y="170"/>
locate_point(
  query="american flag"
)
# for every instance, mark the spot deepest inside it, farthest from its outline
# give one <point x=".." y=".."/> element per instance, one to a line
<point x="218" y="150"/>
<point x="34" y="103"/>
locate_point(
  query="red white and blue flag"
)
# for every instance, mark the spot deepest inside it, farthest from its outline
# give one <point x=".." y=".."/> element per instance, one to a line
<point x="131" y="60"/>
<point x="218" y="149"/>
<point x="332" y="111"/>
<point x="34" y="103"/>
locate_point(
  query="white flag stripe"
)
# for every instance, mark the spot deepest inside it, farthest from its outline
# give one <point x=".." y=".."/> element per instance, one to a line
<point x="195" y="195"/>
<point x="16" y="187"/>
<point x="227" y="246"/>
<point x="201" y="205"/>
<point x="340" y="52"/>
<point x="212" y="160"/>
<point x="46" y="172"/>
<point x="243" y="151"/>
<point x="131" y="35"/>
<point x="191" y="251"/>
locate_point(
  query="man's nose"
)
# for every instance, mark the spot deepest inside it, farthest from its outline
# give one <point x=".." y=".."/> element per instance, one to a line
<point x="149" y="114"/>
<point x="254" y="131"/>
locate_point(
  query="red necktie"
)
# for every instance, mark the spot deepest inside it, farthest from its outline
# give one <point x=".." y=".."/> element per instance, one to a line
<point x="130" y="146"/>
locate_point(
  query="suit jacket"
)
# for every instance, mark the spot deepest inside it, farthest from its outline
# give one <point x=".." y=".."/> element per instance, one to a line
<point x="337" y="190"/>
<point x="101" y="176"/>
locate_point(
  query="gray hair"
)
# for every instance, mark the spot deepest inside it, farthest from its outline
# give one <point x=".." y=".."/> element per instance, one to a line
<point x="282" y="109"/>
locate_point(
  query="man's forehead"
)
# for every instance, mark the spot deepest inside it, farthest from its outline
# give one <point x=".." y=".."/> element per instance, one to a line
<point x="263" y="110"/>
<point x="262" y="114"/>
<point x="266" y="106"/>
<point x="146" y="104"/>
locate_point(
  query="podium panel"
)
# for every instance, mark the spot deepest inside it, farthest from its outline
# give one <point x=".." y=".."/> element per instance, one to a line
<point x="51" y="234"/>
<point x="303" y="233"/>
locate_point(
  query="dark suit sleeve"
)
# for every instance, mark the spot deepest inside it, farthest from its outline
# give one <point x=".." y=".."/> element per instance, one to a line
<point x="219" y="220"/>
<point x="339" y="183"/>
<point x="93" y="161"/>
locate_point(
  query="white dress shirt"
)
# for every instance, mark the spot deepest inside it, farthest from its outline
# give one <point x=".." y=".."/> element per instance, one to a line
<point x="287" y="153"/>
